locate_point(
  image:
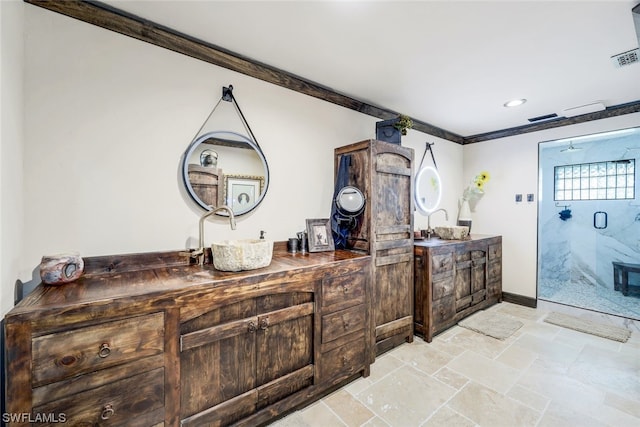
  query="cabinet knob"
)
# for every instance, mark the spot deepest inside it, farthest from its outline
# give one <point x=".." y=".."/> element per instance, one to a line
<point x="107" y="412"/>
<point x="252" y="327"/>
<point x="264" y="323"/>
<point x="105" y="350"/>
<point x="345" y="289"/>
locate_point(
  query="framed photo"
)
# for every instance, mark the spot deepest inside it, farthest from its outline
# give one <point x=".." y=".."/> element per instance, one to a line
<point x="319" y="234"/>
<point x="242" y="191"/>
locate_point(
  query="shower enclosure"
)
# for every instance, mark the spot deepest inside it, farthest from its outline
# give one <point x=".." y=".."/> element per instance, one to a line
<point x="589" y="218"/>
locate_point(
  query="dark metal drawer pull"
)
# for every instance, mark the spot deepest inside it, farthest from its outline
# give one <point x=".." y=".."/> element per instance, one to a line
<point x="105" y="350"/>
<point x="107" y="412"/>
<point x="264" y="323"/>
<point x="252" y="327"/>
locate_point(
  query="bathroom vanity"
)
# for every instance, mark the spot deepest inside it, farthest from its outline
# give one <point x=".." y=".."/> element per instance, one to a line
<point x="454" y="279"/>
<point x="154" y="339"/>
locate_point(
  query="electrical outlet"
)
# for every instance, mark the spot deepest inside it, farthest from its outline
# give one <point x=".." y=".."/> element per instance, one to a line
<point x="529" y="197"/>
<point x="518" y="198"/>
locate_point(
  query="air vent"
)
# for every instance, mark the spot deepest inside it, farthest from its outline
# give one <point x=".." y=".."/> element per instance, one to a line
<point x="626" y="58"/>
<point x="540" y="118"/>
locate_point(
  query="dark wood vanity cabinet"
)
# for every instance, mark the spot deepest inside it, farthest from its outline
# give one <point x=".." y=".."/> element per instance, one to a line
<point x="383" y="172"/>
<point x="454" y="279"/>
<point x="186" y="345"/>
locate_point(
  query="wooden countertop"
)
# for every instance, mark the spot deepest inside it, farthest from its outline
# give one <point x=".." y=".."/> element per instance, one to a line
<point x="165" y="277"/>
<point x="440" y="242"/>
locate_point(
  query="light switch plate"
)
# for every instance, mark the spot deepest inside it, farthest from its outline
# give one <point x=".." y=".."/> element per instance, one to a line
<point x="518" y="198"/>
<point x="529" y="197"/>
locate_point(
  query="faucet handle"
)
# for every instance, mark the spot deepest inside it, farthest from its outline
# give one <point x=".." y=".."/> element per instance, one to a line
<point x="195" y="253"/>
<point x="262" y="232"/>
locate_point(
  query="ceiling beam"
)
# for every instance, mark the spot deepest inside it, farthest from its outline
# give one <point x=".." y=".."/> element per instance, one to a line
<point x="113" y="19"/>
<point x="616" y="110"/>
<point x="119" y="21"/>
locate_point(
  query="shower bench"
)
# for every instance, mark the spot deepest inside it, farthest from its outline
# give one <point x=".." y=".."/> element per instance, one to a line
<point x="621" y="272"/>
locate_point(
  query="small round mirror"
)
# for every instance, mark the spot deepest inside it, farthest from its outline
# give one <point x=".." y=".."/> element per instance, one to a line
<point x="350" y="201"/>
<point x="225" y="168"/>
<point x="428" y="190"/>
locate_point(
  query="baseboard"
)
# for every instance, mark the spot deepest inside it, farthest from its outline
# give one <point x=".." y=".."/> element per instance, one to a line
<point x="519" y="299"/>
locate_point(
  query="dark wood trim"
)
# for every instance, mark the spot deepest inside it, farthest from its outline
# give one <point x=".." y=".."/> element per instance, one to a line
<point x="616" y="110"/>
<point x="113" y="19"/>
<point x="519" y="299"/>
<point x="117" y="20"/>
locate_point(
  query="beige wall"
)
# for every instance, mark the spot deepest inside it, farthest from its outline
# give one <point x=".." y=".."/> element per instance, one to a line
<point x="11" y="126"/>
<point x="513" y="164"/>
<point x="109" y="117"/>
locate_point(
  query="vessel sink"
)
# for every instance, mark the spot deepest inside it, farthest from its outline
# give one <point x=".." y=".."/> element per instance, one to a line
<point x="452" y="232"/>
<point x="238" y="255"/>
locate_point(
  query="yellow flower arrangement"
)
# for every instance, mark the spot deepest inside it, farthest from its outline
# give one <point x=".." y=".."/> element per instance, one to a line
<point x="474" y="192"/>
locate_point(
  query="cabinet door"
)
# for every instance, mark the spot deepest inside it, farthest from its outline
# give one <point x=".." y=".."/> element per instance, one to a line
<point x="284" y="343"/>
<point x="245" y="356"/>
<point x="392" y="228"/>
<point x="218" y="363"/>
<point x="470" y="277"/>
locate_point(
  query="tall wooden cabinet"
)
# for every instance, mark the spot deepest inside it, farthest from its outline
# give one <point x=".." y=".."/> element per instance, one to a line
<point x="384" y="173"/>
<point x="454" y="279"/>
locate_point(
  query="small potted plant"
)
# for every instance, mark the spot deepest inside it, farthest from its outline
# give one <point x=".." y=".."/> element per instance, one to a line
<point x="403" y="123"/>
<point x="392" y="129"/>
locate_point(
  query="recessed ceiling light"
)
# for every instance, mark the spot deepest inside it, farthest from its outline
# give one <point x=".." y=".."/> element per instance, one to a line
<point x="515" y="102"/>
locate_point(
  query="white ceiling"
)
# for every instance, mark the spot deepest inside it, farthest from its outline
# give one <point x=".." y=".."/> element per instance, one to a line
<point x="452" y="64"/>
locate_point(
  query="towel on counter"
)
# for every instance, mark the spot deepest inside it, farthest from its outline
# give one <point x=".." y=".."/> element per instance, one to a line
<point x="339" y="224"/>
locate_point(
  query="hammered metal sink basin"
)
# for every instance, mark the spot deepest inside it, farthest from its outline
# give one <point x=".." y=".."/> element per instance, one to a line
<point x="238" y="255"/>
<point x="452" y="232"/>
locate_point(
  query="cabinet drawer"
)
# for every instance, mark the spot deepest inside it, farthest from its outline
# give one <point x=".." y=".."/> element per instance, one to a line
<point x="349" y="288"/>
<point x="343" y="322"/>
<point x="495" y="251"/>
<point x="66" y="354"/>
<point x="495" y="271"/>
<point x="494" y="289"/>
<point x="344" y="360"/>
<point x="441" y="262"/>
<point x="443" y="286"/>
<point x="443" y="310"/>
<point x="134" y="401"/>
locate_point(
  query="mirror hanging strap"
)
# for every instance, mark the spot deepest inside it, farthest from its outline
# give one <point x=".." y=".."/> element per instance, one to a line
<point x="430" y="150"/>
<point x="227" y="95"/>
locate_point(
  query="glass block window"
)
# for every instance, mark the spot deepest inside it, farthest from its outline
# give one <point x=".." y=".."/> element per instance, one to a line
<point x="613" y="180"/>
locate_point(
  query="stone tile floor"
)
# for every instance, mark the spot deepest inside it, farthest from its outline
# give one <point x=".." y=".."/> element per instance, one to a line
<point x="543" y="375"/>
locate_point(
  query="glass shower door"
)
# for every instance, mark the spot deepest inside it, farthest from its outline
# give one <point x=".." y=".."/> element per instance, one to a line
<point x="589" y="218"/>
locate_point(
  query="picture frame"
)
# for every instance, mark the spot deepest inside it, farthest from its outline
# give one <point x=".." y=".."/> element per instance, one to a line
<point x="241" y="192"/>
<point x="319" y="235"/>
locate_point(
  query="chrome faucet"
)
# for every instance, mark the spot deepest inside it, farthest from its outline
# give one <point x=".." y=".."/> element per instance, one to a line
<point x="199" y="253"/>
<point x="430" y="231"/>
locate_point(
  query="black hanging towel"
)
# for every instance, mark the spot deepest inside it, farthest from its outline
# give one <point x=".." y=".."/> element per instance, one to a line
<point x="340" y="227"/>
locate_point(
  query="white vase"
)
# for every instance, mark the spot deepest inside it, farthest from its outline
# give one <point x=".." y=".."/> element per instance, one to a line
<point x="464" y="214"/>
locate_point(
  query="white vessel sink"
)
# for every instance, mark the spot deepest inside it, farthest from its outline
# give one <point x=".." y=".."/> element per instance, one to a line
<point x="452" y="232"/>
<point x="238" y="255"/>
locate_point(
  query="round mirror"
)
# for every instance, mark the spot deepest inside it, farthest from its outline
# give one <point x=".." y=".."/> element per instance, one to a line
<point x="428" y="190"/>
<point x="350" y="201"/>
<point x="225" y="168"/>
